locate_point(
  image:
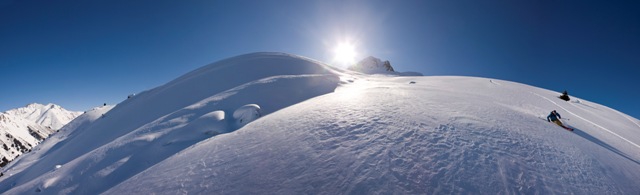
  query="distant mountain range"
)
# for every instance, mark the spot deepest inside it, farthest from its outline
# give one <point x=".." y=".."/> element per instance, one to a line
<point x="21" y="129"/>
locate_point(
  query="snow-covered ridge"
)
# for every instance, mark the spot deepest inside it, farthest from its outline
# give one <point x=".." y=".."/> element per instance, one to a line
<point x="155" y="124"/>
<point x="50" y="115"/>
<point x="284" y="124"/>
<point x="23" y="128"/>
<point x="373" y="65"/>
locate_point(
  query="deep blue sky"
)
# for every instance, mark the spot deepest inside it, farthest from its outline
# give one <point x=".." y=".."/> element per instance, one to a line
<point x="80" y="54"/>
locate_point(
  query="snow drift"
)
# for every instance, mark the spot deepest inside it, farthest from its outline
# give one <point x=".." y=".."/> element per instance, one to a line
<point x="319" y="130"/>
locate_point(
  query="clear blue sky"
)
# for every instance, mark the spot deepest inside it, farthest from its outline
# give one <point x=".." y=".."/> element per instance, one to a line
<point x="80" y="54"/>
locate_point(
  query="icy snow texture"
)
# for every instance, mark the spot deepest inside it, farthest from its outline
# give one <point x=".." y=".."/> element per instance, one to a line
<point x="330" y="132"/>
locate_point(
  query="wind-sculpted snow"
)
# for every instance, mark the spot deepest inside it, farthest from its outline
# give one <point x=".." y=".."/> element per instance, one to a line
<point x="192" y="108"/>
<point x="246" y="114"/>
<point x="321" y="131"/>
<point x="384" y="135"/>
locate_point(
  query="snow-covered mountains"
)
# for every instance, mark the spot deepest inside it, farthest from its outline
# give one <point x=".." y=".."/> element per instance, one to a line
<point x="21" y="129"/>
<point x="373" y="65"/>
<point x="284" y="124"/>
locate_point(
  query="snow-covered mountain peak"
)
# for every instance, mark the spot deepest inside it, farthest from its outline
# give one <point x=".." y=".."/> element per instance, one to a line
<point x="373" y="65"/>
<point x="41" y="106"/>
<point x="33" y="107"/>
<point x="23" y="128"/>
<point x="48" y="115"/>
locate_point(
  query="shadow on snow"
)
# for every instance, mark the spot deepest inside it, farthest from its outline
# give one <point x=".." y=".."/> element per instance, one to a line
<point x="603" y="144"/>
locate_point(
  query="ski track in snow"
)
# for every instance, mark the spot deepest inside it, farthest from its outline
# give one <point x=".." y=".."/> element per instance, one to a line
<point x="601" y="127"/>
<point x="628" y="118"/>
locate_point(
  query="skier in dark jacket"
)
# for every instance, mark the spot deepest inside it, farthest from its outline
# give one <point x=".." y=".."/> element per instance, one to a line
<point x="555" y="118"/>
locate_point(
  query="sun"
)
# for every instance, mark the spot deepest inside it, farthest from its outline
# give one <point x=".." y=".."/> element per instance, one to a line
<point x="344" y="54"/>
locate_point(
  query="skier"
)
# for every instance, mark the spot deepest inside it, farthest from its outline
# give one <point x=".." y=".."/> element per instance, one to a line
<point x="555" y="118"/>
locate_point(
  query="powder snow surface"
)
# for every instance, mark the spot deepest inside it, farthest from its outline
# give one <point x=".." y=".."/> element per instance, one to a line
<point x="334" y="132"/>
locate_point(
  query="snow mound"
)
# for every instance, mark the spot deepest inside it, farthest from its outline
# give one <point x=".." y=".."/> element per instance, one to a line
<point x="247" y="113"/>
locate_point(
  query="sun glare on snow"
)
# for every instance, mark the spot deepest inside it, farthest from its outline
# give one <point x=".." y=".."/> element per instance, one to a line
<point x="345" y="54"/>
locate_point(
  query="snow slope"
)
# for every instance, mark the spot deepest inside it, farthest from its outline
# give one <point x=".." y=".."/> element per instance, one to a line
<point x="153" y="125"/>
<point x="438" y="135"/>
<point x="332" y="132"/>
<point x="23" y="128"/>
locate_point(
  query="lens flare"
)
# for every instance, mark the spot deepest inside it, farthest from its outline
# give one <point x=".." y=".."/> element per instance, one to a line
<point x="345" y="54"/>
